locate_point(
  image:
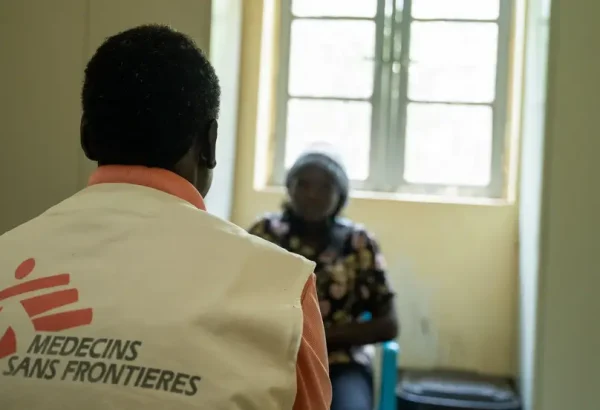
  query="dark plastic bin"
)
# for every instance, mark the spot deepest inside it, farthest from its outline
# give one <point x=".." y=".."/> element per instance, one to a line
<point x="454" y="390"/>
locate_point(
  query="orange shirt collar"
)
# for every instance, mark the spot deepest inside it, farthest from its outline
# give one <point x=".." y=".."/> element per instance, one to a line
<point x="156" y="178"/>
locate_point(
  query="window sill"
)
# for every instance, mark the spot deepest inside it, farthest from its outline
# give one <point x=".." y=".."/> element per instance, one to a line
<point x="413" y="198"/>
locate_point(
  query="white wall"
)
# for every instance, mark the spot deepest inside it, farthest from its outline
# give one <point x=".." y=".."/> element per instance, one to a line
<point x="562" y="371"/>
<point x="225" y="49"/>
<point x="41" y="70"/>
<point x="531" y="191"/>
<point x="569" y="330"/>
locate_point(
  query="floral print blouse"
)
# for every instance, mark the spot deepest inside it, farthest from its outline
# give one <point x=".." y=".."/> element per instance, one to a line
<point x="350" y="273"/>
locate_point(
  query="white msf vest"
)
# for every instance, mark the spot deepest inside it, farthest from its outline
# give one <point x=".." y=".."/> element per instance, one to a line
<point x="125" y="297"/>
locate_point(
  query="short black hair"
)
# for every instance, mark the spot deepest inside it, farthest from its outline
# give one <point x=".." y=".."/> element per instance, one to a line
<point x="148" y="93"/>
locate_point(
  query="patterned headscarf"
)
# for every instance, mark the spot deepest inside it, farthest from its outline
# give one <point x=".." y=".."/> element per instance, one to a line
<point x="325" y="158"/>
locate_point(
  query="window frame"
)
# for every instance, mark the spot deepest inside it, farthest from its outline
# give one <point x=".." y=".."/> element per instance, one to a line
<point x="388" y="132"/>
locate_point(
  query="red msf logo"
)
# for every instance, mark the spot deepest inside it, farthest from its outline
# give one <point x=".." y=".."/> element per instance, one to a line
<point x="37" y="306"/>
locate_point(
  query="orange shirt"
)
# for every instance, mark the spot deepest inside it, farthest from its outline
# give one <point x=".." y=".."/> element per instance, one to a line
<point x="313" y="385"/>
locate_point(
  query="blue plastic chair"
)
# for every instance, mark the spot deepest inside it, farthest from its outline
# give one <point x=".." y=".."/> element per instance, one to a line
<point x="388" y="373"/>
<point x="389" y="376"/>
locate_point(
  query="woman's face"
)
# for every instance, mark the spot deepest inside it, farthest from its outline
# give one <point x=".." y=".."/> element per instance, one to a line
<point x="313" y="194"/>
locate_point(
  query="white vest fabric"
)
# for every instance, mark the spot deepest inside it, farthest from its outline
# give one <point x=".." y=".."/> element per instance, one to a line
<point x="125" y="297"/>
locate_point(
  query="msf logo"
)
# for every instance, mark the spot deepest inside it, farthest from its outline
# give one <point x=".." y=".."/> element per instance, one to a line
<point x="38" y="306"/>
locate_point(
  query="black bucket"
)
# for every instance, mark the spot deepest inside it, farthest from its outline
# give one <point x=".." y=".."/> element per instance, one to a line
<point x="455" y="390"/>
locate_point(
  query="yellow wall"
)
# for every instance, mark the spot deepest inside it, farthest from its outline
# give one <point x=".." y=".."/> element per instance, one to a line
<point x="454" y="267"/>
<point x="44" y="47"/>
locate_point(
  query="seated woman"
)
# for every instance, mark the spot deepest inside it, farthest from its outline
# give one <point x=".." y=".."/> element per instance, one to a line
<point x="350" y="272"/>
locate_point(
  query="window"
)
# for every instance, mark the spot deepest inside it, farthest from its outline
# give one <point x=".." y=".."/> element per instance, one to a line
<point x="413" y="93"/>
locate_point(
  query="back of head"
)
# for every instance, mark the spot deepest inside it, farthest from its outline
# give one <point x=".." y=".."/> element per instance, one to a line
<point x="149" y="95"/>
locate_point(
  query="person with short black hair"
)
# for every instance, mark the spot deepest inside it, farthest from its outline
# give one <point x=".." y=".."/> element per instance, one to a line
<point x="129" y="295"/>
<point x="151" y="98"/>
